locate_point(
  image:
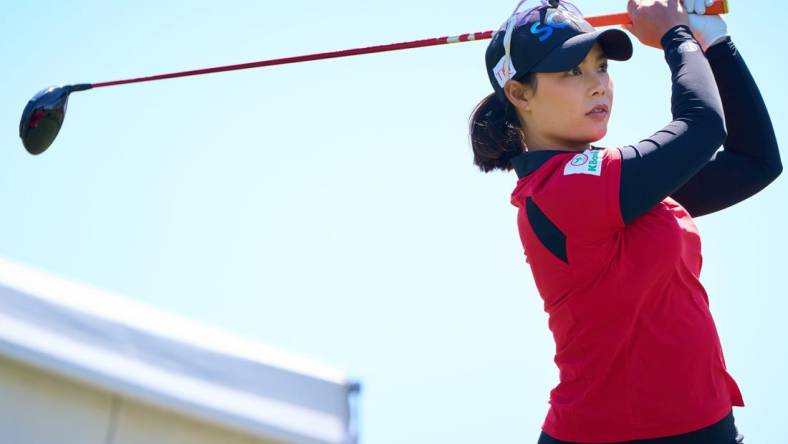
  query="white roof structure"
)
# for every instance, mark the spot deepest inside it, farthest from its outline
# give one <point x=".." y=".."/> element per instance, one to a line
<point x="133" y="351"/>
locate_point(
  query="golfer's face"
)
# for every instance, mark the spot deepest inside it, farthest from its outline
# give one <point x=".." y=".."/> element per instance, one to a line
<point x="563" y="100"/>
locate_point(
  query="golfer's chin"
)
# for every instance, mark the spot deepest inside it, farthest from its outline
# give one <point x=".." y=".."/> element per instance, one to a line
<point x="592" y="134"/>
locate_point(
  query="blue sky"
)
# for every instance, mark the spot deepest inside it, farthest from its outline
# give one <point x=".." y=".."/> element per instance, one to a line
<point x="331" y="208"/>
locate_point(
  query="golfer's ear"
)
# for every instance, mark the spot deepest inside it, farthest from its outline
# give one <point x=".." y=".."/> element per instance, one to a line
<point x="519" y="94"/>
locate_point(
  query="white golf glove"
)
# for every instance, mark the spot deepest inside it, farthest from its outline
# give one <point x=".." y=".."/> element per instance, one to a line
<point x="707" y="29"/>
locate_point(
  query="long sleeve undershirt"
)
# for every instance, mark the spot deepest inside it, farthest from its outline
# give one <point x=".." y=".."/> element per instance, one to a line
<point x="710" y="92"/>
<point x="750" y="159"/>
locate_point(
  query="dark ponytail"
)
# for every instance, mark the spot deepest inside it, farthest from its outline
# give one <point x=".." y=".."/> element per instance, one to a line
<point x="495" y="132"/>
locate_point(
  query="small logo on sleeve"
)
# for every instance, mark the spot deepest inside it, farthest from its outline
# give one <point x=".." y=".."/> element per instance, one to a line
<point x="588" y="162"/>
<point x="688" y="46"/>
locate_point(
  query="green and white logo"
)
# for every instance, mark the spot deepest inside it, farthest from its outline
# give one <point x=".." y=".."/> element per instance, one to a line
<point x="588" y="162"/>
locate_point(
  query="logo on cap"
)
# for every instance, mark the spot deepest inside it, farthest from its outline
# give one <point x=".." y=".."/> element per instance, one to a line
<point x="551" y="22"/>
<point x="504" y="71"/>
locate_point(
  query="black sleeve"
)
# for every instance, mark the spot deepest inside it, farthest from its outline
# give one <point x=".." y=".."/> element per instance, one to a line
<point x="750" y="160"/>
<point x="656" y="167"/>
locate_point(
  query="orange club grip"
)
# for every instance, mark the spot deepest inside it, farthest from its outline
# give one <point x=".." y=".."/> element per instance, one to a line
<point x="718" y="7"/>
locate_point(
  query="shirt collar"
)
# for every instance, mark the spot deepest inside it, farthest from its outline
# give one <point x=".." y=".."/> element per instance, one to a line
<point x="528" y="161"/>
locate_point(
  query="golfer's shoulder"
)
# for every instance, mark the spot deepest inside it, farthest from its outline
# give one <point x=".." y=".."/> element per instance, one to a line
<point x="574" y="180"/>
<point x="591" y="165"/>
<point x="578" y="193"/>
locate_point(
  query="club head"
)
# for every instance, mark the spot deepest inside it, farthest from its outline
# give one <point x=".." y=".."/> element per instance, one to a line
<point x="43" y="116"/>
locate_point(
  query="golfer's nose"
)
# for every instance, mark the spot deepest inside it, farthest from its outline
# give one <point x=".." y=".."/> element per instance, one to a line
<point x="599" y="84"/>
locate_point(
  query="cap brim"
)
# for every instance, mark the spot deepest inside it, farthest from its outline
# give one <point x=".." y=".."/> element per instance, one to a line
<point x="614" y="42"/>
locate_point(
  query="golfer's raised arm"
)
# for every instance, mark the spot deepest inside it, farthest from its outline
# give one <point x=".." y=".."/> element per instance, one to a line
<point x="751" y="159"/>
<point x="656" y="167"/>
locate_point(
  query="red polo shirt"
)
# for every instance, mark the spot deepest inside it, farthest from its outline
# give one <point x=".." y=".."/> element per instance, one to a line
<point x="636" y="346"/>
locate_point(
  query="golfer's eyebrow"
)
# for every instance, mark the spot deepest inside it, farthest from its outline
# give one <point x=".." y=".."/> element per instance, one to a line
<point x="593" y="60"/>
<point x="599" y="55"/>
<point x="595" y="55"/>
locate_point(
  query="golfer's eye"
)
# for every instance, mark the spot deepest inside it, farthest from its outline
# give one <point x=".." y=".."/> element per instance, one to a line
<point x="577" y="71"/>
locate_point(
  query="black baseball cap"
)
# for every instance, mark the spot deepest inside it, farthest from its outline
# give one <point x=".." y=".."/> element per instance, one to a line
<point x="547" y="36"/>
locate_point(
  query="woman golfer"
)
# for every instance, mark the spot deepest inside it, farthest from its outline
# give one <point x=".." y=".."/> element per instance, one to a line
<point x="609" y="232"/>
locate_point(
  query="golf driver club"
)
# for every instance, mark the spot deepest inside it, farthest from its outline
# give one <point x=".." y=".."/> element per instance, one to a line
<point x="43" y="116"/>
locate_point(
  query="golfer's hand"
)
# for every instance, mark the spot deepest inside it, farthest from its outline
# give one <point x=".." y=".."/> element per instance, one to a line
<point x="651" y="19"/>
<point x="707" y="29"/>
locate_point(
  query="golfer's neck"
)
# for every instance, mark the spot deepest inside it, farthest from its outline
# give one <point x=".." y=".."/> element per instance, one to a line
<point x="535" y="142"/>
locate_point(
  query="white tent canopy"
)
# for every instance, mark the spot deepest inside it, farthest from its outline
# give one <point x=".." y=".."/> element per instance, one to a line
<point x="131" y="351"/>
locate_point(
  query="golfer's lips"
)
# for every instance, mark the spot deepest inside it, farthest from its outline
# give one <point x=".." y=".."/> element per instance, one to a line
<point x="599" y="108"/>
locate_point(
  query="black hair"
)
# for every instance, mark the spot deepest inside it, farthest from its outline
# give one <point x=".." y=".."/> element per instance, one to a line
<point x="495" y="131"/>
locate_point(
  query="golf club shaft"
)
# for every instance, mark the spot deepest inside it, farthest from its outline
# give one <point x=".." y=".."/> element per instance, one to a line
<point x="719" y="7"/>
